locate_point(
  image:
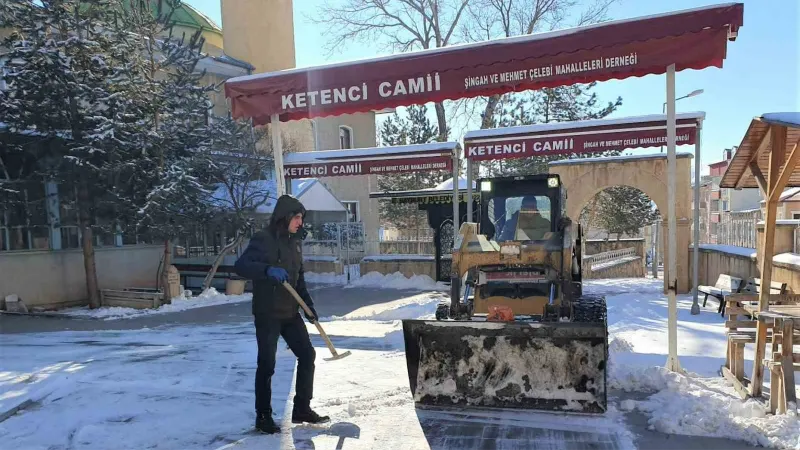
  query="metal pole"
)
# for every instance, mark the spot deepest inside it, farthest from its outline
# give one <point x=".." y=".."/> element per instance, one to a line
<point x="469" y="190"/>
<point x="277" y="154"/>
<point x="672" y="251"/>
<point x="655" y="249"/>
<point x="696" y="249"/>
<point x="455" y="197"/>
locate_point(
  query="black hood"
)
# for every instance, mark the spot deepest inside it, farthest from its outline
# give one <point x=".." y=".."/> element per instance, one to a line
<point x="285" y="209"/>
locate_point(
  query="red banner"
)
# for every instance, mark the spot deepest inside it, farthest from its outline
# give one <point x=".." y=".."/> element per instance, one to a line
<point x="693" y="39"/>
<point x="565" y="143"/>
<point x="367" y="167"/>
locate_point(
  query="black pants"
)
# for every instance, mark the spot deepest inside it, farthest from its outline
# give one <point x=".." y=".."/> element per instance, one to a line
<point x="295" y="334"/>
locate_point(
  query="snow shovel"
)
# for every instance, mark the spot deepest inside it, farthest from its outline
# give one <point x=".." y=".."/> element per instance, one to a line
<point x="336" y="355"/>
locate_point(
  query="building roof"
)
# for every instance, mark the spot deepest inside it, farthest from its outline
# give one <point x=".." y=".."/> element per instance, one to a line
<point x="752" y="158"/>
<point x="688" y="39"/>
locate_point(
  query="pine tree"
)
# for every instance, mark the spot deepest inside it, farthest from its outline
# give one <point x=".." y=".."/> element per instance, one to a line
<point x="560" y="104"/>
<point x="624" y="210"/>
<point x="414" y="129"/>
<point x="66" y="73"/>
<point x="118" y="110"/>
<point x="171" y="187"/>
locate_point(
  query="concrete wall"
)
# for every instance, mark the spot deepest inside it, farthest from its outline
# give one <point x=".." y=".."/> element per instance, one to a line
<point x="713" y="263"/>
<point x="628" y="269"/>
<point x="56" y="279"/>
<point x="408" y="268"/>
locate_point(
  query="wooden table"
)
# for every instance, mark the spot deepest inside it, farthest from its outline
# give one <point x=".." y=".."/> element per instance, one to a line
<point x="783" y="320"/>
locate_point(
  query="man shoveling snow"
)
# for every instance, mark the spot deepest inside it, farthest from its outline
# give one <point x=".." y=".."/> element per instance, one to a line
<point x="275" y="256"/>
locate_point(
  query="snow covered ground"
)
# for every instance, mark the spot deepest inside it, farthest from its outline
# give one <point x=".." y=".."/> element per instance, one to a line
<point x="190" y="387"/>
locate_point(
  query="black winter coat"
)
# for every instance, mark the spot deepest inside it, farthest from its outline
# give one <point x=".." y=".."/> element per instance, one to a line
<point x="276" y="247"/>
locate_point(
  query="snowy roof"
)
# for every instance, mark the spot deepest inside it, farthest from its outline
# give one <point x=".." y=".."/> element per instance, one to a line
<point x="558" y="126"/>
<point x="368" y="153"/>
<point x="501" y="41"/>
<point x="617" y="159"/>
<point x="789" y="119"/>
<point x="447" y="185"/>
<point x="757" y="146"/>
<point x="228" y="59"/>
<point x="264" y="192"/>
<point x="788" y="194"/>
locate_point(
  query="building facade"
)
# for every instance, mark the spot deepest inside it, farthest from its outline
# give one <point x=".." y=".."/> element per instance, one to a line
<point x="722" y="210"/>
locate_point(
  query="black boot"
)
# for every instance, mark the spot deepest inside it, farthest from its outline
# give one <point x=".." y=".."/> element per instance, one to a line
<point x="304" y="413"/>
<point x="265" y="424"/>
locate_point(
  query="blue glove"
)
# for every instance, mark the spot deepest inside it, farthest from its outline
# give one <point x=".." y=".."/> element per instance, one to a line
<point x="278" y="273"/>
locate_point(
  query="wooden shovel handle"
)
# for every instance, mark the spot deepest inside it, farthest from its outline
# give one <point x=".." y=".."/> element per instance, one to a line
<point x="311" y="314"/>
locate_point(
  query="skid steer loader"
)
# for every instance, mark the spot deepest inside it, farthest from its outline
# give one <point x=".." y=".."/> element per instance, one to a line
<point x="517" y="331"/>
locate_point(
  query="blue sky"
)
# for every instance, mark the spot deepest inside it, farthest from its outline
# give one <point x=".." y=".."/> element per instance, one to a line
<point x="761" y="73"/>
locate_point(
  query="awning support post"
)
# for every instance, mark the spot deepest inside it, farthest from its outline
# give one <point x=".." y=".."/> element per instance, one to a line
<point x="776" y="181"/>
<point x="696" y="250"/>
<point x="672" y="251"/>
<point x="469" y="190"/>
<point x="455" y="199"/>
<point x="277" y="154"/>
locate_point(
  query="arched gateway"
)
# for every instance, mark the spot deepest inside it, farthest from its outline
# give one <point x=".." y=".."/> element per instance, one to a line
<point x="584" y="178"/>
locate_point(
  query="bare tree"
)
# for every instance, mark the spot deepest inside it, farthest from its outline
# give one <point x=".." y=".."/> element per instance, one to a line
<point x="405" y="25"/>
<point x="397" y="25"/>
<point x="241" y="170"/>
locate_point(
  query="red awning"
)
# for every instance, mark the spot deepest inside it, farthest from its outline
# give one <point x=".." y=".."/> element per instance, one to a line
<point x="370" y="161"/>
<point x="587" y="136"/>
<point x="691" y="39"/>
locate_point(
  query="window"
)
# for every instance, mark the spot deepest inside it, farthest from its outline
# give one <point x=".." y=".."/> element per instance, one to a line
<point x="352" y="211"/>
<point x="345" y="137"/>
<point x="795" y="215"/>
<point x="24" y="224"/>
<point x="520" y="218"/>
<point x="68" y="218"/>
<point x="724" y="205"/>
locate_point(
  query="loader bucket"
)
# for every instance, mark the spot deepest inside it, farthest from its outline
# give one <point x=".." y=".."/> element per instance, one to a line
<point x="530" y="365"/>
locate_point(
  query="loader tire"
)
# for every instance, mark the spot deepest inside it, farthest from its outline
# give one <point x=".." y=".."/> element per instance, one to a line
<point x="589" y="309"/>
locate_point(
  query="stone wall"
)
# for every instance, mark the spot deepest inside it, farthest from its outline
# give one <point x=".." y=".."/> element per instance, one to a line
<point x="52" y="279"/>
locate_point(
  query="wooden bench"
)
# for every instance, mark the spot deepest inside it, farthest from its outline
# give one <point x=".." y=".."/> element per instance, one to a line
<point x="725" y="285"/>
<point x="750" y="293"/>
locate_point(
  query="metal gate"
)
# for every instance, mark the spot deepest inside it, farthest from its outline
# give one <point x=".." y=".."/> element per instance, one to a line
<point x="444" y="250"/>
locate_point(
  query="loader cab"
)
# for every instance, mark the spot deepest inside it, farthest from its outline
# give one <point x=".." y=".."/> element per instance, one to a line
<point x="521" y="209"/>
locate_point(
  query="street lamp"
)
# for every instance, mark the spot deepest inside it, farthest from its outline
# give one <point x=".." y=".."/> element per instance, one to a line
<point x="694" y="93"/>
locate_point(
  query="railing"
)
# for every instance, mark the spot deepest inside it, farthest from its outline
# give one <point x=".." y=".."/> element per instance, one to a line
<point x="738" y="229"/>
<point x="599" y="259"/>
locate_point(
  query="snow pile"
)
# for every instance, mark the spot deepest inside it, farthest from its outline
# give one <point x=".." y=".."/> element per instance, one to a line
<point x="698" y="402"/>
<point x="421" y="306"/>
<point x="210" y="297"/>
<point x="692" y="405"/>
<point x="397" y="281"/>
<point x="325" y="278"/>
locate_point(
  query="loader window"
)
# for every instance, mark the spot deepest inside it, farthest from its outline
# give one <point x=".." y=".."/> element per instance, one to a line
<point x="524" y="218"/>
